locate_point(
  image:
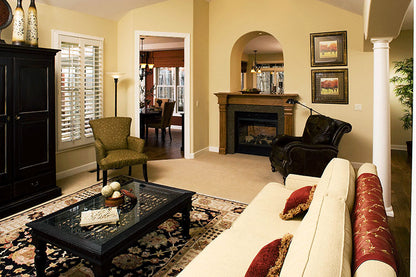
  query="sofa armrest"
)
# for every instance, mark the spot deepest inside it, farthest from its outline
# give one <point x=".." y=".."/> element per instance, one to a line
<point x="373" y="268"/>
<point x="295" y="181"/>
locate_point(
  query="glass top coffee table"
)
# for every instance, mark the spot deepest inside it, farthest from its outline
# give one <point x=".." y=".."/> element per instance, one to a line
<point x="99" y="244"/>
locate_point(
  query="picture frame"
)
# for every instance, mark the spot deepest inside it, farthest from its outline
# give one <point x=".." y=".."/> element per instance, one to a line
<point x="329" y="86"/>
<point x="329" y="48"/>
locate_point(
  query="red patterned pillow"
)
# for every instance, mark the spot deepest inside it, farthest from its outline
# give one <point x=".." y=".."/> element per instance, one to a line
<point x="298" y="201"/>
<point x="269" y="261"/>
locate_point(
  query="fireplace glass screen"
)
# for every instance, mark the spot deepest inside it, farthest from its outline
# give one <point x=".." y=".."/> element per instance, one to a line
<point x="255" y="132"/>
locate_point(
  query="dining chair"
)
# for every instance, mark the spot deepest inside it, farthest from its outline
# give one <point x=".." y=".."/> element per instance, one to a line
<point x="163" y="122"/>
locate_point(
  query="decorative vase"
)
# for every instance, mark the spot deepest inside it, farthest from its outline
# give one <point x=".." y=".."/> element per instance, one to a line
<point x="18" y="36"/>
<point x="6" y="16"/>
<point x="32" y="25"/>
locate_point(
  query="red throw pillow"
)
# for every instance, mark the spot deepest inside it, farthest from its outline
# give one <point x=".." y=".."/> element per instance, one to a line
<point x="269" y="261"/>
<point x="298" y="201"/>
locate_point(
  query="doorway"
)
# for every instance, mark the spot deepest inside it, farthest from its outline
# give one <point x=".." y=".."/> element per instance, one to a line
<point x="177" y="88"/>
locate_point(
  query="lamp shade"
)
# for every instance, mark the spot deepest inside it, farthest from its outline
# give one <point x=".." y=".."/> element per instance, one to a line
<point x="115" y="75"/>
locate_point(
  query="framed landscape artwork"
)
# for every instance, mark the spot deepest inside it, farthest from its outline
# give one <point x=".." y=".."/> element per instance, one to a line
<point x="329" y="49"/>
<point x="330" y="86"/>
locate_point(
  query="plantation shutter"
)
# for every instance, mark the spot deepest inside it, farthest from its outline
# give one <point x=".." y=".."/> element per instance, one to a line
<point x="80" y="67"/>
<point x="93" y="103"/>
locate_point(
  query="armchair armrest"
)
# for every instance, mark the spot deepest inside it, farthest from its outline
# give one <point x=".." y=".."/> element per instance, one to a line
<point x="100" y="151"/>
<point x="295" y="181"/>
<point x="308" y="159"/>
<point x="284" y="139"/>
<point x="136" y="144"/>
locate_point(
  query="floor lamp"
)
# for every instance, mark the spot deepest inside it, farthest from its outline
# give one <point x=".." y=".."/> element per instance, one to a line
<point x="116" y="76"/>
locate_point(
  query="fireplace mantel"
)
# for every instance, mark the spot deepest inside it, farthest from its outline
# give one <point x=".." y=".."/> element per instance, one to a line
<point x="238" y="98"/>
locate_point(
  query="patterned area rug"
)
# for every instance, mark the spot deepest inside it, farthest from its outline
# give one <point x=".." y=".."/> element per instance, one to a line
<point x="162" y="252"/>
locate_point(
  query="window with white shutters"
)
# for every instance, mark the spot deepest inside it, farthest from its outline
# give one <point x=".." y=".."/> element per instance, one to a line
<point x="80" y="87"/>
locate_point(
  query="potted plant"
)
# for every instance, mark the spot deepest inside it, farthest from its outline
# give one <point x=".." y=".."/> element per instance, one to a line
<point x="403" y="81"/>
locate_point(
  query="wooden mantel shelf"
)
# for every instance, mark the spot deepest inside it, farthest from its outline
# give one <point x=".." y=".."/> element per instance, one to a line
<point x="238" y="98"/>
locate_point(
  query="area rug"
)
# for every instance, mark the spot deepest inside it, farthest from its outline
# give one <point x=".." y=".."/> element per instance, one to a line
<point x="162" y="252"/>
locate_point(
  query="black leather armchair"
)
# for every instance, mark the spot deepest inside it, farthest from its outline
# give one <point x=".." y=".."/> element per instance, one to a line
<point x="309" y="154"/>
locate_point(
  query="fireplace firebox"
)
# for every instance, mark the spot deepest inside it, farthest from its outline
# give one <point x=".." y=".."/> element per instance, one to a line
<point x="254" y="132"/>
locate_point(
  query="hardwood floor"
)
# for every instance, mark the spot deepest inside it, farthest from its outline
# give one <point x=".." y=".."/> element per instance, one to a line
<point x="400" y="197"/>
<point x="156" y="149"/>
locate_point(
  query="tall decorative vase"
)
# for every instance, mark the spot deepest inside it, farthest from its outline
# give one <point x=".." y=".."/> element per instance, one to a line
<point x="18" y="36"/>
<point x="32" y="25"/>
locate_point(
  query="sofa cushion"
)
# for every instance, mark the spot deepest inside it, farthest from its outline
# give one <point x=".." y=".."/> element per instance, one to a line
<point x="372" y="237"/>
<point x="338" y="180"/>
<point x="322" y="245"/>
<point x="264" y="211"/>
<point x="269" y="260"/>
<point x="298" y="202"/>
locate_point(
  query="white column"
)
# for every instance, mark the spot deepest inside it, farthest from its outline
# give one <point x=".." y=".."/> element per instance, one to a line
<point x="381" y="119"/>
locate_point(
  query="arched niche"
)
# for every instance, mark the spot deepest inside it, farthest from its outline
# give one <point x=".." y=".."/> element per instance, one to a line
<point x="237" y="54"/>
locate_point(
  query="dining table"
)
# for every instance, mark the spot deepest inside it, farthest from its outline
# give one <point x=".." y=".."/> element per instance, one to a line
<point x="147" y="115"/>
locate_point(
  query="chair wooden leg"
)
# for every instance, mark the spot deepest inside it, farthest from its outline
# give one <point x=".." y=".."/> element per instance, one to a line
<point x="145" y="172"/>
<point x="170" y="134"/>
<point x="163" y="134"/>
<point x="98" y="172"/>
<point x="147" y="132"/>
<point x="130" y="170"/>
<point x="104" y="178"/>
<point x="157" y="132"/>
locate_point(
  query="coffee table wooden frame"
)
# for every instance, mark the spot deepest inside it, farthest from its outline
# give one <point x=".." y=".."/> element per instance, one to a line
<point x="101" y="256"/>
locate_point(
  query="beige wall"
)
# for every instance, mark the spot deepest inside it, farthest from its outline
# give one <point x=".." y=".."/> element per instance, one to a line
<point x="291" y="22"/>
<point x="65" y="20"/>
<point x="400" y="48"/>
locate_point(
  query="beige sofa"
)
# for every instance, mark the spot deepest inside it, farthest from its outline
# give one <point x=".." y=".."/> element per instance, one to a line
<point x="322" y="242"/>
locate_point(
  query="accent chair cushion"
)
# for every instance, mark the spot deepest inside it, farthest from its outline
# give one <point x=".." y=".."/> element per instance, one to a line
<point x="122" y="158"/>
<point x="298" y="202"/>
<point x="269" y="260"/>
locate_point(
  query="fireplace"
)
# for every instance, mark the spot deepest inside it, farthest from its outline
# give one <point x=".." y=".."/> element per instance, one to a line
<point x="254" y="132"/>
<point x="231" y="103"/>
<point x="250" y="128"/>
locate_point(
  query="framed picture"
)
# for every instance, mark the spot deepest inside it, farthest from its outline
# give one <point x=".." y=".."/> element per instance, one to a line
<point x="329" y="49"/>
<point x="330" y="86"/>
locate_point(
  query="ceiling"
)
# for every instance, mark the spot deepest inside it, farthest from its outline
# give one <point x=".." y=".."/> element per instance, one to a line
<point x="114" y="10"/>
<point x="109" y="9"/>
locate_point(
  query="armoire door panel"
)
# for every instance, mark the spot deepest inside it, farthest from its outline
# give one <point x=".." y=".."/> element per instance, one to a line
<point x="32" y="85"/>
<point x="5" y="126"/>
<point x="32" y="155"/>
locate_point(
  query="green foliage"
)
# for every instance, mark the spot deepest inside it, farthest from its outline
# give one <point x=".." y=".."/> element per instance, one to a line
<point x="403" y="81"/>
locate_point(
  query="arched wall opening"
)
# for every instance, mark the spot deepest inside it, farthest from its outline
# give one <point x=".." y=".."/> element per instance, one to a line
<point x="265" y="44"/>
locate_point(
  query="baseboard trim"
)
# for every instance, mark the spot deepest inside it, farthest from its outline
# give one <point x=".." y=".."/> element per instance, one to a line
<point x="214" y="149"/>
<point x="199" y="152"/>
<point x="400" y="147"/>
<point x="75" y="170"/>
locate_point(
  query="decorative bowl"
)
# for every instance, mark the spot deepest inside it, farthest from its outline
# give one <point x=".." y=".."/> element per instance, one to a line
<point x="114" y="202"/>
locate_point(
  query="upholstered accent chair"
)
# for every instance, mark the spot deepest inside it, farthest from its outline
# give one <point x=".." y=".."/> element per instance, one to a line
<point x="163" y="122"/>
<point x="310" y="153"/>
<point x="115" y="148"/>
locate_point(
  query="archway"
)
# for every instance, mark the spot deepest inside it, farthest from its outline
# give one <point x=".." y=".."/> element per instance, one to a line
<point x="268" y="57"/>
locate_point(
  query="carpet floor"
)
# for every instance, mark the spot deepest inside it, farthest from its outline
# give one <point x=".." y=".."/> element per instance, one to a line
<point x="162" y="252"/>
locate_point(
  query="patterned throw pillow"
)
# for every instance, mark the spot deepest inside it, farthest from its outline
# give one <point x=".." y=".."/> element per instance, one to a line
<point x="269" y="261"/>
<point x="298" y="201"/>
